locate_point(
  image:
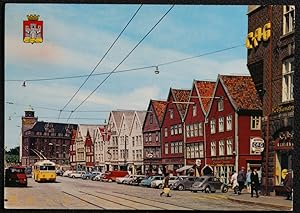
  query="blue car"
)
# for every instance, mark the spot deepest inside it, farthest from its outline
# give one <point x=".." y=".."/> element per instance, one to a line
<point x="90" y="175"/>
<point x="147" y="182"/>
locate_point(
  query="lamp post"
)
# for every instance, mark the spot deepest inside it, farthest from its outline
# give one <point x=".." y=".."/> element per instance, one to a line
<point x="150" y="156"/>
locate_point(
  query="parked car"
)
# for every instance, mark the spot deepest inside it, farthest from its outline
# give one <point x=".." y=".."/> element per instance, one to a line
<point x="184" y="183"/>
<point x="128" y="181"/>
<point x="99" y="177"/>
<point x="59" y="172"/>
<point x="209" y="184"/>
<point x="90" y="175"/>
<point x="77" y="174"/>
<point x="160" y="183"/>
<point x="112" y="175"/>
<point x="137" y="180"/>
<point x="147" y="182"/>
<point x="66" y="173"/>
<point x="123" y="179"/>
<point x="15" y="176"/>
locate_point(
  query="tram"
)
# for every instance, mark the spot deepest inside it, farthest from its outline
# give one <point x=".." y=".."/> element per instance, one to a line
<point x="44" y="171"/>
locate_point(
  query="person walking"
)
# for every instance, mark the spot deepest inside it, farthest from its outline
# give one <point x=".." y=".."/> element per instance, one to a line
<point x="166" y="188"/>
<point x="234" y="182"/>
<point x="241" y="178"/>
<point x="288" y="184"/>
<point x="254" y="182"/>
<point x="248" y="180"/>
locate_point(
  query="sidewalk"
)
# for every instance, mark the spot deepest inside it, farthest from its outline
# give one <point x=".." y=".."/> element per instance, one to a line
<point x="279" y="202"/>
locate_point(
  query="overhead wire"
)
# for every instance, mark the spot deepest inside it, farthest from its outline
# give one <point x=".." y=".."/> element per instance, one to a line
<point x="122" y="60"/>
<point x="111" y="46"/>
<point x="133" y="69"/>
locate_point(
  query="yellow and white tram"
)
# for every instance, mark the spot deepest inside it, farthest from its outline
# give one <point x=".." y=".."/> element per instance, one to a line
<point x="44" y="171"/>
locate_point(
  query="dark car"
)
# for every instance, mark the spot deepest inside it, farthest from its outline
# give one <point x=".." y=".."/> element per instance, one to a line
<point x="209" y="184"/>
<point x="184" y="183"/>
<point x="59" y="172"/>
<point x="137" y="180"/>
<point x="15" y="176"/>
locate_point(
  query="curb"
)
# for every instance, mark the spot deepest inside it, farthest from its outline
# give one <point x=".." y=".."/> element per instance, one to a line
<point x="281" y="207"/>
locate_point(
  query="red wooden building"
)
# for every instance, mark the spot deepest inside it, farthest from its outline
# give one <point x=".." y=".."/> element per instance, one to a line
<point x="233" y="131"/>
<point x="89" y="152"/>
<point x="172" y="129"/>
<point x="195" y="123"/>
<point x="73" y="150"/>
<point x="152" y="136"/>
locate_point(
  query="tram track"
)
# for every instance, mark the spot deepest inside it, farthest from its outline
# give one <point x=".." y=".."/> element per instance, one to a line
<point x="72" y="195"/>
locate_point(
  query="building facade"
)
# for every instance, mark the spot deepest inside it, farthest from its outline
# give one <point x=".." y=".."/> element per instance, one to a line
<point x="271" y="64"/>
<point x="102" y="137"/>
<point x="233" y="126"/>
<point x="172" y="131"/>
<point x="194" y="120"/>
<point x="152" y="136"/>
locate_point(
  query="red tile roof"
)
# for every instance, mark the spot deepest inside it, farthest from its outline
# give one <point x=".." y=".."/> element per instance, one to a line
<point x="242" y="90"/>
<point x="159" y="108"/>
<point x="181" y="95"/>
<point x="205" y="90"/>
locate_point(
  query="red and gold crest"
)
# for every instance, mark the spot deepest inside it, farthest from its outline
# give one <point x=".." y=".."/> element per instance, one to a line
<point x="33" y="29"/>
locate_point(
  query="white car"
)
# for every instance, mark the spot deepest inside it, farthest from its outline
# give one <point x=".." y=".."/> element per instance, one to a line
<point x="77" y="174"/>
<point x="123" y="179"/>
<point x="99" y="177"/>
<point x="160" y="183"/>
<point x="66" y="173"/>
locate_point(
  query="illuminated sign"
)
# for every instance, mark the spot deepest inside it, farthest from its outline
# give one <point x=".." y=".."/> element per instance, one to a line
<point x="256" y="145"/>
<point x="260" y="34"/>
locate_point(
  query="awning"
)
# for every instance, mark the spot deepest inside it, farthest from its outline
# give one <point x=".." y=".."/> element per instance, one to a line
<point x="183" y="168"/>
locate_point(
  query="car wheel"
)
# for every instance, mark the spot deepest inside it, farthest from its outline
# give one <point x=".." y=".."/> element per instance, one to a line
<point x="207" y="189"/>
<point x="194" y="191"/>
<point x="180" y="187"/>
<point x="73" y="176"/>
<point x="160" y="186"/>
<point x="225" y="189"/>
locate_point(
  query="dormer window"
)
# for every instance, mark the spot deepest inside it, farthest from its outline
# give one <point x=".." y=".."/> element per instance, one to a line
<point x="220" y="105"/>
<point x="194" y="110"/>
<point x="171" y="113"/>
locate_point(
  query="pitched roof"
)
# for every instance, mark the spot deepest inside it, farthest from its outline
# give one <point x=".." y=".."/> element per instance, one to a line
<point x="117" y="117"/>
<point x="85" y="128"/>
<point x="159" y="108"/>
<point x="181" y="95"/>
<point x="42" y="126"/>
<point x="141" y="115"/>
<point x="205" y="89"/>
<point x="242" y="91"/>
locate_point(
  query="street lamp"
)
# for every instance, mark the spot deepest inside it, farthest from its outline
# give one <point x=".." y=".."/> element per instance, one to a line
<point x="150" y="155"/>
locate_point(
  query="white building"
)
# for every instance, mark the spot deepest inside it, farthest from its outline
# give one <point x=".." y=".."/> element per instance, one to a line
<point x="135" y="147"/>
<point x="101" y="139"/>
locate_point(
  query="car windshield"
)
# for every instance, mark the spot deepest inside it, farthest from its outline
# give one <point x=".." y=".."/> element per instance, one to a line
<point x="200" y="180"/>
<point x="17" y="170"/>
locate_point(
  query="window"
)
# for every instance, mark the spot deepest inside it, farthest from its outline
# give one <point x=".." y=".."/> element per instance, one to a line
<point x="188" y="131"/>
<point x="200" y="129"/>
<point x="176" y="148"/>
<point x="196" y="130"/>
<point x="166" y="148"/>
<point x="171" y="113"/>
<point x="221" y="124"/>
<point x="255" y="122"/>
<point x="151" y="118"/>
<point x="140" y="140"/>
<point x="175" y="130"/>
<point x="220" y="104"/>
<point x="192" y="130"/>
<point x="229" y="146"/>
<point x="132" y="141"/>
<point x="133" y="154"/>
<point x="197" y="150"/>
<point x="150" y="137"/>
<point x="213" y="126"/>
<point x="179" y="129"/>
<point x="287" y="79"/>
<point x="157" y="136"/>
<point x="213" y="148"/>
<point x="166" y="132"/>
<point x="229" y="122"/>
<point x="180" y="147"/>
<point x="172" y="148"/>
<point x="201" y="150"/>
<point x="192" y="150"/>
<point x="221" y="148"/>
<point x="172" y="130"/>
<point x="194" y="110"/>
<point x="188" y="151"/>
<point x="288" y="18"/>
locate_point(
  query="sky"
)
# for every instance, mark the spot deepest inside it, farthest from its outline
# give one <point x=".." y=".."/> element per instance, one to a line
<point x="75" y="38"/>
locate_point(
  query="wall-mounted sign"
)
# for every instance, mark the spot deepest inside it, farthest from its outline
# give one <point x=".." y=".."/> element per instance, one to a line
<point x="256" y="145"/>
<point x="260" y="34"/>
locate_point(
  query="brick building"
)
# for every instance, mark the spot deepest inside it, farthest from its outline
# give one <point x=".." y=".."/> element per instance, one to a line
<point x="270" y="44"/>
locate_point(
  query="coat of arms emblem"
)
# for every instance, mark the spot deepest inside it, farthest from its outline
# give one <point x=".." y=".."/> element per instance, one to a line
<point x="33" y="29"/>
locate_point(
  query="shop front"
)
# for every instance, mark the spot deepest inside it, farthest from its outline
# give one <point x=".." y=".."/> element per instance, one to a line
<point x="172" y="164"/>
<point x="223" y="167"/>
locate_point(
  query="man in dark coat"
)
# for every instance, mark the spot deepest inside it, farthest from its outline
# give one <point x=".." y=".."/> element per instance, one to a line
<point x="166" y="188"/>
<point x="241" y="178"/>
<point x="254" y="182"/>
<point x="288" y="184"/>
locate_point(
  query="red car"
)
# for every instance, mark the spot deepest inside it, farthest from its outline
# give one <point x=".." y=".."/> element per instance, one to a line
<point x="15" y="176"/>
<point x="112" y="175"/>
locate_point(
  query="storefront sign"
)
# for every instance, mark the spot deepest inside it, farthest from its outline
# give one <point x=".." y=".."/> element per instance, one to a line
<point x="260" y="34"/>
<point x="222" y="160"/>
<point x="256" y="145"/>
<point x="279" y="109"/>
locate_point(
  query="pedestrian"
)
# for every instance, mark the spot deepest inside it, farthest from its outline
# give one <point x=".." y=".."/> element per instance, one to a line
<point x="254" y="182"/>
<point x="288" y="184"/>
<point x="234" y="182"/>
<point x="241" y="178"/>
<point x="248" y="180"/>
<point x="166" y="188"/>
